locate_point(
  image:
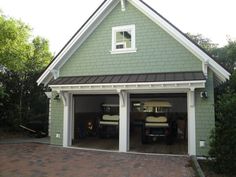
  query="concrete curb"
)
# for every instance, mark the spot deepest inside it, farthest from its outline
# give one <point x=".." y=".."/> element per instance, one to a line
<point x="197" y="167"/>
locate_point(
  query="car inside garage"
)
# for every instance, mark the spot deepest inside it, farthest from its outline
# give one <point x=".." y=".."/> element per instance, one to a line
<point x="158" y="122"/>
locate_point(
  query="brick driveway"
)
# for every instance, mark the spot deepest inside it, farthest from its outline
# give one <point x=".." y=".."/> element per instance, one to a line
<point x="40" y="160"/>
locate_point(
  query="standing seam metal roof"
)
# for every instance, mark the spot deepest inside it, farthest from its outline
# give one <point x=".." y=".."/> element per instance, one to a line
<point x="130" y="78"/>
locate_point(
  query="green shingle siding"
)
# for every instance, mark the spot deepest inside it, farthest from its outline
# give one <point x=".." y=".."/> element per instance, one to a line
<point x="56" y="121"/>
<point x="205" y="115"/>
<point x="157" y="51"/>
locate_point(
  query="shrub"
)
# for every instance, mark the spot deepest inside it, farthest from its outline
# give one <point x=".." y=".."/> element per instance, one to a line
<point x="223" y="138"/>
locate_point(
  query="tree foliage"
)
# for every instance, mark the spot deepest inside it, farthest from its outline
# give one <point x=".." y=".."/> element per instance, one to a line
<point x="14" y="46"/>
<point x="203" y="42"/>
<point x="223" y="141"/>
<point x="225" y="56"/>
<point x="22" y="59"/>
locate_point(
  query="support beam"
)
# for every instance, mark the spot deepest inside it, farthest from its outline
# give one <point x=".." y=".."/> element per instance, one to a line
<point x="191" y="123"/>
<point x="124" y="122"/>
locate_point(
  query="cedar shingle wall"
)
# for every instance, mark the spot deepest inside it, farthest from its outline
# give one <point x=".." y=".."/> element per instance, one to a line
<point x="205" y="115"/>
<point x="156" y="52"/>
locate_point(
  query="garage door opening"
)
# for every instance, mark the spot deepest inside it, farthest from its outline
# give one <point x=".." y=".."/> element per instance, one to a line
<point x="158" y="123"/>
<point x="96" y="122"/>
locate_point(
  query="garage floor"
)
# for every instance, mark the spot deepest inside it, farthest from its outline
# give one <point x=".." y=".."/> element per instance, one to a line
<point x="159" y="146"/>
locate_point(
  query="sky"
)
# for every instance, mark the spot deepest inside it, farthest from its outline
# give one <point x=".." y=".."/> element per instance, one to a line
<point x="58" y="20"/>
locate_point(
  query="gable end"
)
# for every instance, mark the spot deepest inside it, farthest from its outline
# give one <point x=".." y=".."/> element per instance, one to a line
<point x="99" y="15"/>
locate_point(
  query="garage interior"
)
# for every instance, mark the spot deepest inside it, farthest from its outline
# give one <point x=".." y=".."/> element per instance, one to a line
<point x="168" y="136"/>
<point x="90" y="131"/>
<point x="96" y="123"/>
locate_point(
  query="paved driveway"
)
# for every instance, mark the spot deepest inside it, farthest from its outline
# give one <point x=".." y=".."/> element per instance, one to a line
<point x="41" y="160"/>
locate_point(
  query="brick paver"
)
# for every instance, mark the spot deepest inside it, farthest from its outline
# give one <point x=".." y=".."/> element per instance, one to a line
<point x="40" y="160"/>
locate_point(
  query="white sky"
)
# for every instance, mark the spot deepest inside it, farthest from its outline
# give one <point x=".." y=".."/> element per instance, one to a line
<point x="58" y="20"/>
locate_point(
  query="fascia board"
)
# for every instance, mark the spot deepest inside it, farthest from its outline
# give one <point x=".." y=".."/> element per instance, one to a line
<point x="134" y="84"/>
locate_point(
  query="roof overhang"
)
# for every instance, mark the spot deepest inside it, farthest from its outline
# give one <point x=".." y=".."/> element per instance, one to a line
<point x="172" y="86"/>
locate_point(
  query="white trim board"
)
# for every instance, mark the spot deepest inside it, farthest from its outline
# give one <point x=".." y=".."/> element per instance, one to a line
<point x="132" y="87"/>
<point x="100" y="15"/>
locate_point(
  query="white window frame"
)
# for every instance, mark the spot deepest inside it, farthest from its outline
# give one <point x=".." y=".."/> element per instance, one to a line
<point x="116" y="29"/>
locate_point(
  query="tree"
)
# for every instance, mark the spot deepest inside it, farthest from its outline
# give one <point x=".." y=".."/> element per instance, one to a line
<point x="15" y="48"/>
<point x="22" y="59"/>
<point x="203" y="42"/>
<point x="223" y="142"/>
<point x="225" y="56"/>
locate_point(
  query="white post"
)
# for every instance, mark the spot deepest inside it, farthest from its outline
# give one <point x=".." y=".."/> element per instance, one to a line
<point x="49" y="96"/>
<point x="49" y="117"/>
<point x="66" y="97"/>
<point x="124" y="121"/>
<point x="191" y="123"/>
<point x="72" y="117"/>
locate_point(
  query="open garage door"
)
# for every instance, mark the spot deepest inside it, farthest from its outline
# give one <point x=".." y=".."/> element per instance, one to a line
<point x="96" y="121"/>
<point x="158" y="123"/>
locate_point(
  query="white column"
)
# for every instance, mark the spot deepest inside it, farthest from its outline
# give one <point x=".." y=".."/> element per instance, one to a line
<point x="191" y="123"/>
<point x="66" y="97"/>
<point x="72" y="117"/>
<point x="49" y="96"/>
<point x="124" y="122"/>
<point x="49" y="117"/>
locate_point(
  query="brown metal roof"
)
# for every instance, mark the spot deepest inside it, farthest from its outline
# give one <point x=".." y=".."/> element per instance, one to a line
<point x="129" y="78"/>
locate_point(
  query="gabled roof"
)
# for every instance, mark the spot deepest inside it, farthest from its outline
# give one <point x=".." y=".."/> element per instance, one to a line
<point x="99" y="15"/>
